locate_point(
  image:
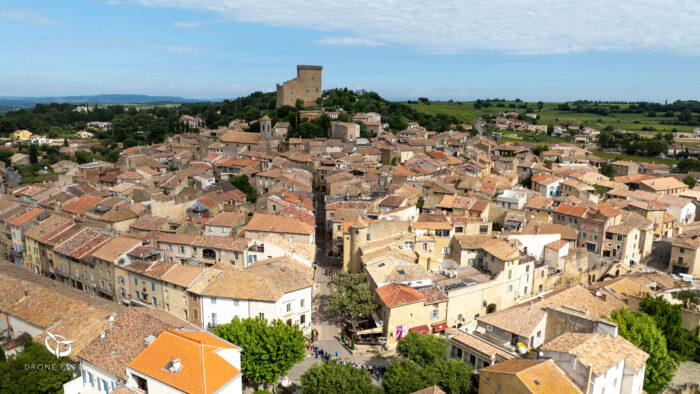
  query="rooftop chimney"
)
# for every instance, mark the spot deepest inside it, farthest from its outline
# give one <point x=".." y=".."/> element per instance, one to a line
<point x="111" y="322"/>
<point x="102" y="335"/>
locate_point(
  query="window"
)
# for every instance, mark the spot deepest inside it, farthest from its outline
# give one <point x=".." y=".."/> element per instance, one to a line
<point x="261" y="315"/>
<point x="682" y="250"/>
<point x="680" y="260"/>
<point x="619" y="238"/>
<point x="301" y="303"/>
<point x="153" y="286"/>
<point x="138" y="295"/>
<point x="445" y="250"/>
<point x="184" y="300"/>
<point x="213" y="301"/>
<point x="442" y="233"/>
<point x="166" y="293"/>
<point x="155" y="301"/>
<point x="369" y="236"/>
<point x="510" y="288"/>
<point x="425" y="246"/>
<point x="595" y="237"/>
<point x="539" y="333"/>
<point x="235" y="302"/>
<point x="408" y="245"/>
<point x="510" y="274"/>
<point x="136" y="281"/>
<point x="213" y="319"/>
<point x="435" y="314"/>
<point x="289" y="307"/>
<point x="459" y="229"/>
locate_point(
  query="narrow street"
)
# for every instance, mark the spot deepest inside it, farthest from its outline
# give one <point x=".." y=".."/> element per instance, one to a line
<point x="326" y="321"/>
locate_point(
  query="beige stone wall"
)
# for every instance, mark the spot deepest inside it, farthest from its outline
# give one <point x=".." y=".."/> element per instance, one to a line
<point x="691" y="259"/>
<point x="414" y="315"/>
<point x="175" y="300"/>
<point x="306" y="86"/>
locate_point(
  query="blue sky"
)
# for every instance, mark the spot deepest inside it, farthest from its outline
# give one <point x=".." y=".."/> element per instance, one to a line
<point x="403" y="49"/>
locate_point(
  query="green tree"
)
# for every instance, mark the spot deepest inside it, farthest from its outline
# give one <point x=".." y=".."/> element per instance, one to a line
<point x="608" y="170"/>
<point x="690" y="181"/>
<point x="682" y="344"/>
<point x="540" y="105"/>
<point x="269" y="349"/>
<point x="242" y="183"/>
<point x="688" y="297"/>
<point x="83" y="157"/>
<point x="33" y="159"/>
<point x="48" y="376"/>
<point x="455" y="376"/>
<point x="405" y="377"/>
<point x="539" y="149"/>
<point x="351" y="295"/>
<point x="335" y="378"/>
<point x="2" y="355"/>
<point x="422" y="349"/>
<point x="640" y="329"/>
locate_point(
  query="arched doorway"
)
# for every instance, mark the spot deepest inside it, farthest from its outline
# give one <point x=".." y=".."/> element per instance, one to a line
<point x="289" y="322"/>
<point x="208" y="254"/>
<point x="302" y="319"/>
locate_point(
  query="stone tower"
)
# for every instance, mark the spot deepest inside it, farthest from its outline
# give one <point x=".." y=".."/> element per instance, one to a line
<point x="265" y="127"/>
<point x="306" y="86"/>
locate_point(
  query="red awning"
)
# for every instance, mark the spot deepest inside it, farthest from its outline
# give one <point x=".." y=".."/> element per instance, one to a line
<point x="439" y="327"/>
<point x="421" y="329"/>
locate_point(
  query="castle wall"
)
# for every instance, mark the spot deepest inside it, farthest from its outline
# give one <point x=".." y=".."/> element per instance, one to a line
<point x="306" y="86"/>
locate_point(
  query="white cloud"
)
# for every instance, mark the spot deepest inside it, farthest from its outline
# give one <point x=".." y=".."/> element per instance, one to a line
<point x="458" y="26"/>
<point x="26" y="17"/>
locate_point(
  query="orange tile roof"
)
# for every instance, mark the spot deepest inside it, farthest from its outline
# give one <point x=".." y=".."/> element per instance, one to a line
<point x="203" y="369"/>
<point x="278" y="224"/>
<point x="395" y="294"/>
<point x="25" y="217"/>
<point x="82" y="204"/>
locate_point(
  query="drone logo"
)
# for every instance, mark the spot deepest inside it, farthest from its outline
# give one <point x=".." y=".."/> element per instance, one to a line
<point x="58" y="340"/>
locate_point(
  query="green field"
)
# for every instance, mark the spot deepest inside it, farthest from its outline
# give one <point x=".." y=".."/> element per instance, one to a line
<point x="614" y="156"/>
<point x="465" y="112"/>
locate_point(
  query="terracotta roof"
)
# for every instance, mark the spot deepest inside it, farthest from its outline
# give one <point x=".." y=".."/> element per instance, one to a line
<point x="661" y="184"/>
<point x="46" y="229"/>
<point x="182" y="275"/>
<point x="149" y="223"/>
<point x="241" y="137"/>
<point x="264" y="222"/>
<point x="115" y="247"/>
<point x="598" y="350"/>
<point x="557" y="245"/>
<point x="82" y="204"/>
<point x="538" y="376"/>
<point x="25" y="217"/>
<point x="225" y="219"/>
<point x="127" y="337"/>
<point x="203" y="369"/>
<point x="120" y="213"/>
<point x="224" y="243"/>
<point x="266" y="280"/>
<point x="82" y="243"/>
<point x="480" y="345"/>
<point x="395" y="294"/>
<point x="571" y="210"/>
<point x="520" y="320"/>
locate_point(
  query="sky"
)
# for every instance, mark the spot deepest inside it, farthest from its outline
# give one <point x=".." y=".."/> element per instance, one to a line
<point x="550" y="50"/>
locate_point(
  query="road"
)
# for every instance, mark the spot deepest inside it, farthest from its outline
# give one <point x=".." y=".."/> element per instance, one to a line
<point x="326" y="321"/>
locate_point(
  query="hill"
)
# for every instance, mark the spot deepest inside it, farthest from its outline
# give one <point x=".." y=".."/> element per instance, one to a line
<point x="633" y="117"/>
<point x="8" y="103"/>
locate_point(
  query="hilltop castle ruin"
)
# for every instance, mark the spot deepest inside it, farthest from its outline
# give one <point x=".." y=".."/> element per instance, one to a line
<point x="306" y="86"/>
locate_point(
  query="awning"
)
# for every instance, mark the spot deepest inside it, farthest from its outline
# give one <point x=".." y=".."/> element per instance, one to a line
<point x="375" y="330"/>
<point x="439" y="327"/>
<point x="421" y="329"/>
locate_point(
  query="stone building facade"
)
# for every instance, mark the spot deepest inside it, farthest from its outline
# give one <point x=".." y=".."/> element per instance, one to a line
<point x="306" y="86"/>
